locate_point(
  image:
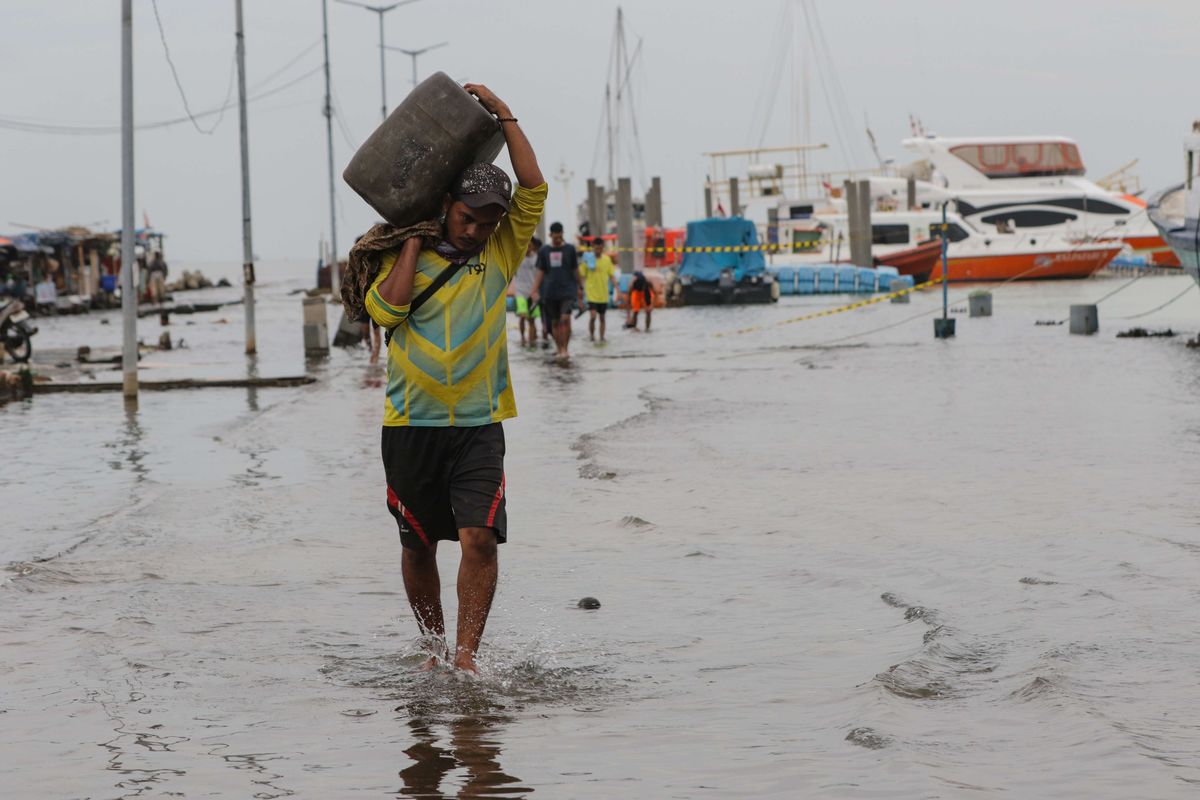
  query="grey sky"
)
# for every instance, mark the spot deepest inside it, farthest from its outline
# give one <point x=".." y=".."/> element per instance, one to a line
<point x="1110" y="74"/>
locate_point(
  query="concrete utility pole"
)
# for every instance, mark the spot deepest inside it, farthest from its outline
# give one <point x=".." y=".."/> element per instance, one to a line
<point x="654" y="214"/>
<point x="247" y="242"/>
<point x="413" y="55"/>
<point x="333" y="266"/>
<point x="564" y="176"/>
<point x="625" y="226"/>
<point x="380" y="10"/>
<point x="129" y="298"/>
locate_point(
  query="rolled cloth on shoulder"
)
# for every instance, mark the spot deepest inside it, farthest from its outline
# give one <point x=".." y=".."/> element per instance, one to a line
<point x="364" y="262"/>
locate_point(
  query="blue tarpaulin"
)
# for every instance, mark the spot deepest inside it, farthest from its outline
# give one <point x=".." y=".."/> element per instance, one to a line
<point x="721" y="232"/>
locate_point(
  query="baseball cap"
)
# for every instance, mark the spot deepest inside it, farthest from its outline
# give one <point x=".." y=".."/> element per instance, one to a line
<point x="482" y="185"/>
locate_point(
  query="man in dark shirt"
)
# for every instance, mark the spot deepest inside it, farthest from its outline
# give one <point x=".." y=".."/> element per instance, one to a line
<point x="558" y="286"/>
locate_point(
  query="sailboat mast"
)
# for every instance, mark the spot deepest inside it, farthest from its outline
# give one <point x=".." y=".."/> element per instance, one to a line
<point x="609" y="125"/>
<point x="619" y="61"/>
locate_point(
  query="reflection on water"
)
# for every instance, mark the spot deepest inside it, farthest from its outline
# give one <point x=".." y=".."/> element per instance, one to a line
<point x="468" y="746"/>
<point x="128" y="445"/>
<point x="252" y="390"/>
<point x="456" y="722"/>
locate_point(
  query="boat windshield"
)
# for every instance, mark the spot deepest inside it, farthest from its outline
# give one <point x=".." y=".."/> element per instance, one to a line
<point x="1022" y="160"/>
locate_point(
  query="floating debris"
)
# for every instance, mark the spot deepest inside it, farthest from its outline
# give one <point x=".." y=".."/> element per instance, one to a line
<point x="1142" y="333"/>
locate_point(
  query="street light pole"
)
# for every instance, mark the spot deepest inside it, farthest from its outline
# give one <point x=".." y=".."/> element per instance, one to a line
<point x="247" y="242"/>
<point x="333" y="266"/>
<point x="414" y="53"/>
<point x="380" y="10"/>
<point x="129" y="298"/>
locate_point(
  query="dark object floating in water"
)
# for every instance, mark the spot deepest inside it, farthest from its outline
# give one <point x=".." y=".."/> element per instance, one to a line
<point x="590" y="603"/>
<point x="1142" y="333"/>
<point x="868" y="738"/>
<point x="1038" y="582"/>
<point x="1049" y="322"/>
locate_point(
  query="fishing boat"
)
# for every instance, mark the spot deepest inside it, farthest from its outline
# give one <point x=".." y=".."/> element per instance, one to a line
<point x="724" y="265"/>
<point x="1175" y="212"/>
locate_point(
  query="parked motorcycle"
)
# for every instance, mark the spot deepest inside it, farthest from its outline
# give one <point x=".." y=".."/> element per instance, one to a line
<point x="16" y="330"/>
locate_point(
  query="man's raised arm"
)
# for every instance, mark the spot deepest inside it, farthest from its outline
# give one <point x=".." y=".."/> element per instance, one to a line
<point x="520" y="152"/>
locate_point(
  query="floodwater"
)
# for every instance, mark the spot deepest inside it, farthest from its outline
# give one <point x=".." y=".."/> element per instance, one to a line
<point x="880" y="566"/>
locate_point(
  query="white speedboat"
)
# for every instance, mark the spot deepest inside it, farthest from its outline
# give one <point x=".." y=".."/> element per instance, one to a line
<point x="973" y="254"/>
<point x="1032" y="184"/>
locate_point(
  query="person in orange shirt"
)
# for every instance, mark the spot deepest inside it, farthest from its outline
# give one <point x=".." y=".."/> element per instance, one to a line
<point x="641" y="298"/>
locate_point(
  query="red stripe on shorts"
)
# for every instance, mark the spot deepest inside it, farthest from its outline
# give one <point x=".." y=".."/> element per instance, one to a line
<point x="394" y="502"/>
<point x="496" y="502"/>
<point x="416" y="526"/>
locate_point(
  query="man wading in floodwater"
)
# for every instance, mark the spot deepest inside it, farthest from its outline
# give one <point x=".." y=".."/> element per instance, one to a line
<point x="449" y="386"/>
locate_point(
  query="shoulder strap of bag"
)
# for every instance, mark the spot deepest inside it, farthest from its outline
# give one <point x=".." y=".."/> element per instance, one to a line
<point x="418" y="301"/>
<point x="438" y="282"/>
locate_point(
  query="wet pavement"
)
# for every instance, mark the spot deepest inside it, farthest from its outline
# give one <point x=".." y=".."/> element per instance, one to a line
<point x="828" y="565"/>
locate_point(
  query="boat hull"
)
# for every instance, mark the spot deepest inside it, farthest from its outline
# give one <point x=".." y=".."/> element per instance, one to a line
<point x="1060" y="265"/>
<point x="1155" y="249"/>
<point x="916" y="261"/>
<point x="1186" y="244"/>
<point x="713" y="294"/>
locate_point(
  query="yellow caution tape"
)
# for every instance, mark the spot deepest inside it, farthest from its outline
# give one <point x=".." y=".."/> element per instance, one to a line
<point x="796" y="247"/>
<point x="831" y="311"/>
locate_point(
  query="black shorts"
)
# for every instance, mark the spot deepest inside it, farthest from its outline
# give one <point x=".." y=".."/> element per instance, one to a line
<point x="442" y="479"/>
<point x="557" y="308"/>
<point x="599" y="308"/>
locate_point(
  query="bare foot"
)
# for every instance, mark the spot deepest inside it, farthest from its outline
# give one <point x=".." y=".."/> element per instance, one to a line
<point x="466" y="663"/>
<point x="430" y="664"/>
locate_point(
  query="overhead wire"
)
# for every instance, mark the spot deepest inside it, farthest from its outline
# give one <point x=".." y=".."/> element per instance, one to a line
<point x="33" y="126"/>
<point x="28" y="125"/>
<point x="162" y="35"/>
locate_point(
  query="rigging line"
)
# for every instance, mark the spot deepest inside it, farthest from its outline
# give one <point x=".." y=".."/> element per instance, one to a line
<point x="838" y="90"/>
<point x="764" y="104"/>
<point x="637" y="142"/>
<point x="1119" y="289"/>
<point x="833" y="118"/>
<point x="162" y="35"/>
<point x="1191" y="285"/>
<point x="26" y="126"/>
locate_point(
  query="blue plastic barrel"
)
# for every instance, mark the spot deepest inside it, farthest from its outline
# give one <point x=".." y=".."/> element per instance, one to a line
<point x="806" y="280"/>
<point x="826" y="279"/>
<point x="846" y="278"/>
<point x="868" y="280"/>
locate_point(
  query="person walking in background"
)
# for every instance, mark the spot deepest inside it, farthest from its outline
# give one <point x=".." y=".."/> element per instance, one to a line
<point x="449" y="387"/>
<point x="528" y="311"/>
<point x="641" y="298"/>
<point x="598" y="274"/>
<point x="156" y="277"/>
<point x="558" y="287"/>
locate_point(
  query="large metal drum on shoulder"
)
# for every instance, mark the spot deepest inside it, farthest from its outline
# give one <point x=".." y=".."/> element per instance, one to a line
<point x="404" y="169"/>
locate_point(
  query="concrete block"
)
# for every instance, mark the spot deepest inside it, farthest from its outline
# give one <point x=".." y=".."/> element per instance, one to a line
<point x="316" y="329"/>
<point x="1085" y="320"/>
<point x="980" y="305"/>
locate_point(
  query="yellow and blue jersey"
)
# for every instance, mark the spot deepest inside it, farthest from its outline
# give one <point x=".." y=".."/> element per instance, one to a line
<point x="448" y="362"/>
